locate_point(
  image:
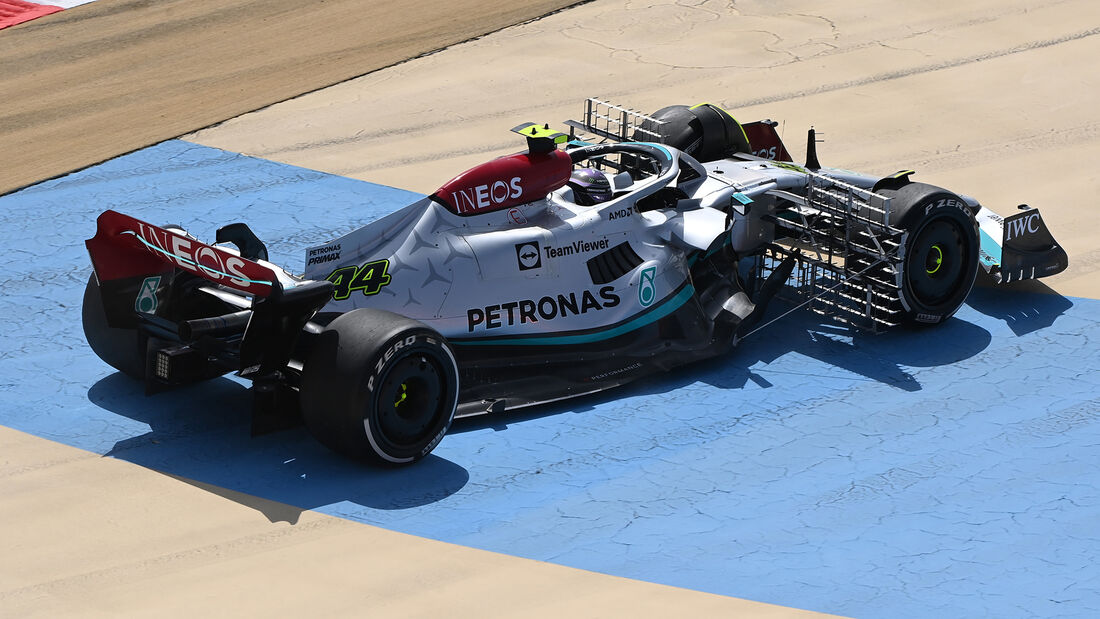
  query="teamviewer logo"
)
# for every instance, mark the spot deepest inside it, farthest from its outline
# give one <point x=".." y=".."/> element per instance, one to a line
<point x="528" y="256"/>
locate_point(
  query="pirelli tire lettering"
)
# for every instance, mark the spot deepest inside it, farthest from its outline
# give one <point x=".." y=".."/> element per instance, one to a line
<point x="940" y="256"/>
<point x="386" y="356"/>
<point x="388" y="390"/>
<point x="379" y="386"/>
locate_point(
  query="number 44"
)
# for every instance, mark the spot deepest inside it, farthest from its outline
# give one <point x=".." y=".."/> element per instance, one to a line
<point x="370" y="278"/>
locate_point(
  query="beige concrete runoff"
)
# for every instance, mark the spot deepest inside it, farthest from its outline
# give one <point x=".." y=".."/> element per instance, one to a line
<point x="113" y="76"/>
<point x="90" y="536"/>
<point x="992" y="98"/>
<point x="87" y="536"/>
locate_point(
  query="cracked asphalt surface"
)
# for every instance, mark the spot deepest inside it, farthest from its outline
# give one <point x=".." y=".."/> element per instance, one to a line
<point x="974" y="96"/>
<point x="942" y="472"/>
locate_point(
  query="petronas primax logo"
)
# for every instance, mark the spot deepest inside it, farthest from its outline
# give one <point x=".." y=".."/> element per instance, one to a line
<point x="647" y="291"/>
<point x="146" y="301"/>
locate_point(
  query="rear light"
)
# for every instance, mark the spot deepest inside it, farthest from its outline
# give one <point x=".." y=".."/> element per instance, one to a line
<point x="178" y="365"/>
<point x="163" y="363"/>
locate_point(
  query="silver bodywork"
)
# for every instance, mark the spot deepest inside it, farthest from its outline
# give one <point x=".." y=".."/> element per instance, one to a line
<point x="445" y="268"/>
<point x="524" y="272"/>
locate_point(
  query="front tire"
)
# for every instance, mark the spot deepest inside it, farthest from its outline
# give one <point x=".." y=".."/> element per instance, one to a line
<point x="379" y="387"/>
<point x="940" y="251"/>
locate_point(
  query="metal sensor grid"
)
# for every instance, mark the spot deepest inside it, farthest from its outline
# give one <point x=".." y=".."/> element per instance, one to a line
<point x="847" y="255"/>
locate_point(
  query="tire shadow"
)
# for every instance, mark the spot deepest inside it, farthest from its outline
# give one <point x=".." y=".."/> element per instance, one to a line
<point x="1025" y="306"/>
<point x="201" y="435"/>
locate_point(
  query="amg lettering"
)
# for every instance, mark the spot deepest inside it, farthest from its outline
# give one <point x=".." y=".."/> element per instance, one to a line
<point x="545" y="308"/>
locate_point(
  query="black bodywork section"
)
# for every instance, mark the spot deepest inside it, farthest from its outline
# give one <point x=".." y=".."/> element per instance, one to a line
<point x="1029" y="249"/>
<point x="197" y="332"/>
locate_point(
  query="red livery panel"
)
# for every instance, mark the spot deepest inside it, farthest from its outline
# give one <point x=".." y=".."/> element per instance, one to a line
<point x="505" y="182"/>
<point x="765" y="142"/>
<point x="126" y="247"/>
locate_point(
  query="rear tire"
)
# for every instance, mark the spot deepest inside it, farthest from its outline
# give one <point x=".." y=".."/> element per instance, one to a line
<point x="706" y="132"/>
<point x="122" y="349"/>
<point x="380" y="387"/>
<point x="941" y="251"/>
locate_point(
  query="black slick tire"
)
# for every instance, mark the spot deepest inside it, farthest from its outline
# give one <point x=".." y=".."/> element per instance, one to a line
<point x="941" y="246"/>
<point x="379" y="387"/>
<point x="706" y="131"/>
<point x="122" y="349"/>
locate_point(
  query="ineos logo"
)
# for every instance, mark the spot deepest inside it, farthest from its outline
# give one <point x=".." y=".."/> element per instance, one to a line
<point x="196" y="257"/>
<point x="487" y="195"/>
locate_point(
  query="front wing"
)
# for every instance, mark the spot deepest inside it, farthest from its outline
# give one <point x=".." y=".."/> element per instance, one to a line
<point x="1019" y="246"/>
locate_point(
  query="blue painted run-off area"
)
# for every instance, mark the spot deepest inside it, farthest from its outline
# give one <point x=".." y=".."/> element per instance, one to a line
<point x="945" y="472"/>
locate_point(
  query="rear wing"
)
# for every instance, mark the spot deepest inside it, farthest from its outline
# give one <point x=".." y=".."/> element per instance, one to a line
<point x="1019" y="246"/>
<point x="616" y="123"/>
<point x="124" y="248"/>
<point x="143" y="269"/>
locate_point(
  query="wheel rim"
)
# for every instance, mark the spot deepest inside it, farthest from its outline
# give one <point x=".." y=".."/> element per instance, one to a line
<point x="410" y="401"/>
<point x="934" y="261"/>
<point x="937" y="261"/>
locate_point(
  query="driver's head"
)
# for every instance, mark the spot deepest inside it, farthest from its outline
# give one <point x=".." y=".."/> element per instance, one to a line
<point x="590" y="186"/>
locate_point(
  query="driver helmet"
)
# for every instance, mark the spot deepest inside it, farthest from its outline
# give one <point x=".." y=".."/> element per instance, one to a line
<point x="590" y="186"/>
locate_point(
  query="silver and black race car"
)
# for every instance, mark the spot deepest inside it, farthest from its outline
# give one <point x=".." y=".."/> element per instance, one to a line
<point x="634" y="244"/>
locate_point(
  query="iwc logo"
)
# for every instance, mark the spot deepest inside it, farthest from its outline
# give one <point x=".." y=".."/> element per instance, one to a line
<point x="528" y="255"/>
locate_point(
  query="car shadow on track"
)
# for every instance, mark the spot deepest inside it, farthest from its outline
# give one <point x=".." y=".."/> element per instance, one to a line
<point x="829" y="352"/>
<point x="201" y="435"/>
<point x="1026" y="306"/>
<point x="894" y="357"/>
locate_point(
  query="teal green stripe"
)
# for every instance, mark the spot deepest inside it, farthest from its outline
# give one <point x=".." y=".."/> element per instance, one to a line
<point x="991" y="247"/>
<point x="670" y="305"/>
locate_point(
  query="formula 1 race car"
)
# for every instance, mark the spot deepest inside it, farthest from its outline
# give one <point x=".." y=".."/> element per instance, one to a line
<point x="635" y="244"/>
